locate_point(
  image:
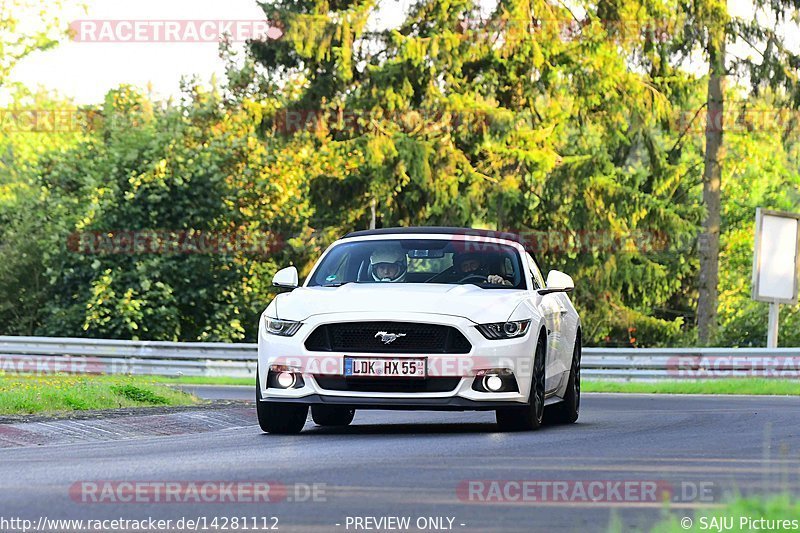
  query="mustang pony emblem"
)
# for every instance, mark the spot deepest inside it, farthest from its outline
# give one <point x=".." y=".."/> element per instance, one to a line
<point x="388" y="338"/>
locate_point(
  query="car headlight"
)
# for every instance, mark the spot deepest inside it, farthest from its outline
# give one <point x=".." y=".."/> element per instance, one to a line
<point x="284" y="328"/>
<point x="504" y="330"/>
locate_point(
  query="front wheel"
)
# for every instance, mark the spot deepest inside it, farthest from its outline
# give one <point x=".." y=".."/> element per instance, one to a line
<point x="528" y="417"/>
<point x="279" y="417"/>
<point x="568" y="410"/>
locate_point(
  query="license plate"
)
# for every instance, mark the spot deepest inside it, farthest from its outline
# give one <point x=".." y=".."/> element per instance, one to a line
<point x="384" y="367"/>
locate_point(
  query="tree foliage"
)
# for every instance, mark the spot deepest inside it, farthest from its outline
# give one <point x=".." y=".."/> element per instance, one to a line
<point x="570" y="125"/>
<point x="27" y="26"/>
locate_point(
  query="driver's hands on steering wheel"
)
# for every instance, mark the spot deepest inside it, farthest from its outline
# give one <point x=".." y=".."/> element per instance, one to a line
<point x="497" y="280"/>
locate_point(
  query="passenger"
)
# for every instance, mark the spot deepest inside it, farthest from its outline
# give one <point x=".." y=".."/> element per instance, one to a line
<point x="473" y="264"/>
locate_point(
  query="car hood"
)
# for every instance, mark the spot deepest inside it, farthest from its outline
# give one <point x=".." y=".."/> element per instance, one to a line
<point x="467" y="301"/>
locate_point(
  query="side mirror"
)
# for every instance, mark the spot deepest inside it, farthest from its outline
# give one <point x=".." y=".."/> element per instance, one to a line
<point x="557" y="282"/>
<point x="286" y="278"/>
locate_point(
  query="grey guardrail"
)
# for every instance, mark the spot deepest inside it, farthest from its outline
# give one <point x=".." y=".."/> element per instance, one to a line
<point x="691" y="363"/>
<point x="101" y="356"/>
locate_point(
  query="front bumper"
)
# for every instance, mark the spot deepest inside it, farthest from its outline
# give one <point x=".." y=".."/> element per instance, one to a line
<point x="458" y="369"/>
<point x="453" y="403"/>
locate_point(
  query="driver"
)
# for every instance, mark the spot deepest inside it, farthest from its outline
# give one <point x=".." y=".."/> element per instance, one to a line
<point x="388" y="264"/>
<point x="472" y="263"/>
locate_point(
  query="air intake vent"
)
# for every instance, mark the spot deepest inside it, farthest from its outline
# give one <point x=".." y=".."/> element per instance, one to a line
<point x="340" y="383"/>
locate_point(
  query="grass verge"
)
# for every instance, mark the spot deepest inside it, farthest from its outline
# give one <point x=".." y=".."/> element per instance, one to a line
<point x="203" y="380"/>
<point x="59" y="393"/>
<point x="770" y="387"/>
<point x="39" y="394"/>
<point x="778" y="513"/>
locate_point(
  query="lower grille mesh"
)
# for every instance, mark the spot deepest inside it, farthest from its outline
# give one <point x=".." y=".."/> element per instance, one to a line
<point x="340" y="383"/>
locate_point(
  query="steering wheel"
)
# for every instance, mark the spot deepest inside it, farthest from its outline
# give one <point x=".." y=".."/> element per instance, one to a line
<point x="482" y="279"/>
<point x="449" y="270"/>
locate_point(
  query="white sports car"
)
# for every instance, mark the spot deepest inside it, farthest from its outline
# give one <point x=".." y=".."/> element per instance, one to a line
<point x="420" y="318"/>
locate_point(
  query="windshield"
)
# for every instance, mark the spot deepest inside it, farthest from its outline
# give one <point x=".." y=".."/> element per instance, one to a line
<point x="488" y="265"/>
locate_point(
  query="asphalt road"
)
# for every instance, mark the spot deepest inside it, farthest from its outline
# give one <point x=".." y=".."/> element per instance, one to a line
<point x="417" y="465"/>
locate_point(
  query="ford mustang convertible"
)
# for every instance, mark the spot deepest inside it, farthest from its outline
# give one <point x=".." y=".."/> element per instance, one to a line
<point x="420" y="318"/>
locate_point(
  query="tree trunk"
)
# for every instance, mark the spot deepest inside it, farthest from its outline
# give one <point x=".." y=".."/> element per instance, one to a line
<point x="712" y="171"/>
<point x="373" y="207"/>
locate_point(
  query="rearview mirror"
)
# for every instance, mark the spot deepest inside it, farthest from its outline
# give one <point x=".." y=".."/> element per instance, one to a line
<point x="557" y="282"/>
<point x="286" y="278"/>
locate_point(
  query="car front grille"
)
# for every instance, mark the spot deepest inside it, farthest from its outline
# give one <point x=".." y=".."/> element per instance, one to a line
<point x="340" y="383"/>
<point x="363" y="337"/>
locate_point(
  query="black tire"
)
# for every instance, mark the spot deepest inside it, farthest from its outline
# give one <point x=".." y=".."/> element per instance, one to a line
<point x="528" y="417"/>
<point x="279" y="417"/>
<point x="332" y="415"/>
<point x="568" y="410"/>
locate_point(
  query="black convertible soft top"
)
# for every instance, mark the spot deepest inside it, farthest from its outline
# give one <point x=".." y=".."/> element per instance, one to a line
<point x="437" y="230"/>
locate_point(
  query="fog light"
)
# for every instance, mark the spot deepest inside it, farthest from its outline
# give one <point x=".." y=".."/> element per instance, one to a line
<point x="286" y="380"/>
<point x="492" y="382"/>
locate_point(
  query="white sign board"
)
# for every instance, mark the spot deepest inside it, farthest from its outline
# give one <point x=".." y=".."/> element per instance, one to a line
<point x="775" y="260"/>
